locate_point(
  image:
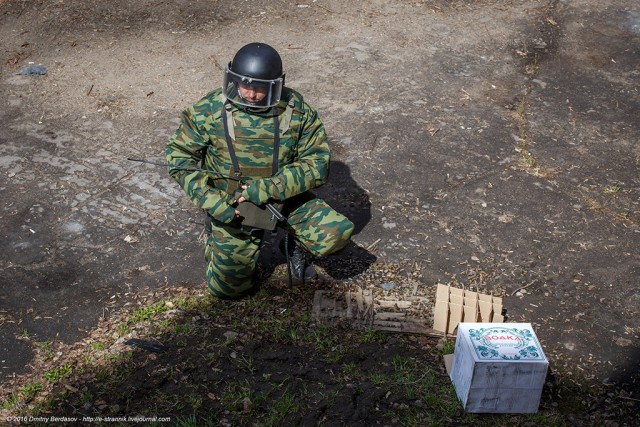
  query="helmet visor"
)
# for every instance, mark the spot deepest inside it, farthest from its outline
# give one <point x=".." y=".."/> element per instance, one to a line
<point x="251" y="92"/>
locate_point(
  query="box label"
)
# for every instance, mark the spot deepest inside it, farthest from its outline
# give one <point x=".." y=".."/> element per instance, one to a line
<point x="503" y="343"/>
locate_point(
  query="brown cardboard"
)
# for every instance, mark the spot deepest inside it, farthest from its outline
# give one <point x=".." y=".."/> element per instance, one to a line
<point x="456" y="291"/>
<point x="455" y="305"/>
<point x="470" y="295"/>
<point x="441" y="311"/>
<point x="455" y="317"/>
<point x="471" y="301"/>
<point x="448" y="362"/>
<point x="442" y="293"/>
<point x="456" y="299"/>
<point x="470" y="313"/>
<point x="497" y="309"/>
<point x="441" y="316"/>
<point x="363" y="309"/>
<point x="486" y="310"/>
<point x="485" y="297"/>
<point x="471" y="308"/>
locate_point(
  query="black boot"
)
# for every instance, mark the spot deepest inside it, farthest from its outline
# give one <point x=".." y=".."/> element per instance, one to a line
<point x="301" y="269"/>
<point x="207" y="225"/>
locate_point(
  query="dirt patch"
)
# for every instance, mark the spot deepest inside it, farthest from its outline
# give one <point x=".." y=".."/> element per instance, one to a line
<point x="488" y="144"/>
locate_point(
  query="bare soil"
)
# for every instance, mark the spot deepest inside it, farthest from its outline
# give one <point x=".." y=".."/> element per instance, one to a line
<point x="487" y="144"/>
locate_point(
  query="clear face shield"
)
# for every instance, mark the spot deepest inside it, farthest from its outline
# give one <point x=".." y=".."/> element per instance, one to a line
<point x="249" y="92"/>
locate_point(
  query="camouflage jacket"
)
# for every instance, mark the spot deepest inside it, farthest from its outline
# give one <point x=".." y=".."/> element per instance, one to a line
<point x="199" y="141"/>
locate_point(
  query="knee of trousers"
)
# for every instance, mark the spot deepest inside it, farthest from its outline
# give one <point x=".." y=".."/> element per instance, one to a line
<point x="229" y="282"/>
<point x="330" y="242"/>
<point x="229" y="271"/>
<point x="319" y="228"/>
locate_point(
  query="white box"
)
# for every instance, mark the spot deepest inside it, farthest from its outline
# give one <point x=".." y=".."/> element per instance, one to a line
<point x="498" y="367"/>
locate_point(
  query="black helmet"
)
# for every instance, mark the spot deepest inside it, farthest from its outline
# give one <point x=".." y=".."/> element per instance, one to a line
<point x="254" y="78"/>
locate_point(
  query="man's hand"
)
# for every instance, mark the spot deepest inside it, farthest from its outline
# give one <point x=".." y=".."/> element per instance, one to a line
<point x="259" y="192"/>
<point x="240" y="199"/>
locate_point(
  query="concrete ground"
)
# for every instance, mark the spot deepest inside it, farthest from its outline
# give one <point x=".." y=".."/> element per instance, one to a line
<point x="491" y="144"/>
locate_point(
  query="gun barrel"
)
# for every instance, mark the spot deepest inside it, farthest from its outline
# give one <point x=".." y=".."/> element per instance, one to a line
<point x="276" y="214"/>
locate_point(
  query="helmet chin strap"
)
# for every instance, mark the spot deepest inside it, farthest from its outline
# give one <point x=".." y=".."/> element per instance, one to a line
<point x="251" y="109"/>
<point x="257" y="109"/>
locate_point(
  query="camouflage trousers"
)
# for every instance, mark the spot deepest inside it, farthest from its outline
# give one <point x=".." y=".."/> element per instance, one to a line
<point x="232" y="253"/>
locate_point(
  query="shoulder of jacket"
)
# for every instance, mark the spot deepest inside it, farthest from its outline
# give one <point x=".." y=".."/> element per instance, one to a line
<point x="298" y="105"/>
<point x="293" y="98"/>
<point x="214" y="98"/>
<point x="210" y="105"/>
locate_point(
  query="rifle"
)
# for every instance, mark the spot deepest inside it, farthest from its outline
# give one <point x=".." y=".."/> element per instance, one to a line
<point x="189" y="169"/>
<point x="272" y="209"/>
<point x="277" y="215"/>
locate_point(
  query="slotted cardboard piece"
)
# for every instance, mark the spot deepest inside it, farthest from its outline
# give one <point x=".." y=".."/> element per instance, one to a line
<point x="456" y="314"/>
<point x="362" y="309"/>
<point x="454" y="305"/>
<point x="441" y="311"/>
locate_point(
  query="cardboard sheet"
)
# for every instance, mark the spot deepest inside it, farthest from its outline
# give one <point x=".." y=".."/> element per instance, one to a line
<point x="454" y="305"/>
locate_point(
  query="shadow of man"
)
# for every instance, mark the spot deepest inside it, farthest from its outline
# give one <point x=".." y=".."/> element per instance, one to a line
<point x="344" y="195"/>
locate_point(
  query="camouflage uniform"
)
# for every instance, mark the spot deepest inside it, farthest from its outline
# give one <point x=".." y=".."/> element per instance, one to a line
<point x="303" y="162"/>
